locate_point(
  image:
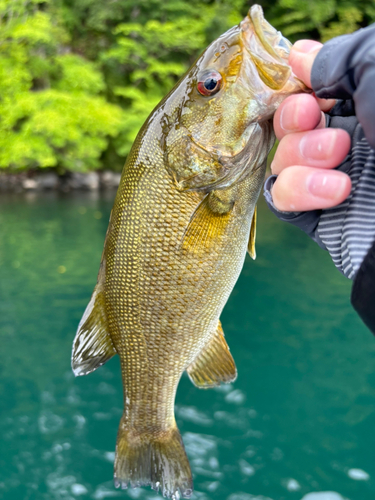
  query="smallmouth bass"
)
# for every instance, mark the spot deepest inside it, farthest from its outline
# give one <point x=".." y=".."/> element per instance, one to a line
<point x="183" y="218"/>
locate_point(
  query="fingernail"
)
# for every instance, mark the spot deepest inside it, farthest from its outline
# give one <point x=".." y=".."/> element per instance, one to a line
<point x="329" y="185"/>
<point x="288" y="116"/>
<point x="318" y="144"/>
<point x="306" y="46"/>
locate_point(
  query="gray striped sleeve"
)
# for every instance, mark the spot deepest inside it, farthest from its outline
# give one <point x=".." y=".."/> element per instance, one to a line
<point x="348" y="230"/>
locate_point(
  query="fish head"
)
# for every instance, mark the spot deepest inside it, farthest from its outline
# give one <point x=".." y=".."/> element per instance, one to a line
<point x="227" y="100"/>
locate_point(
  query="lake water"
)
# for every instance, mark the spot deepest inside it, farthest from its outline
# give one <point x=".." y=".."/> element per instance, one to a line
<point x="299" y="419"/>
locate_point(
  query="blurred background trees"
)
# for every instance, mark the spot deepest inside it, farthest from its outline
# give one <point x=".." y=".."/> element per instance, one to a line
<point x="79" y="77"/>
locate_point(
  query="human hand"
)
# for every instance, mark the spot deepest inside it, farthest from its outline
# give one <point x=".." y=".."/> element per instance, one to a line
<point x="307" y="151"/>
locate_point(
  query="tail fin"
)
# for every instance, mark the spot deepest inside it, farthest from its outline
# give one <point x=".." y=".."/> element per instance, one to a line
<point x="161" y="462"/>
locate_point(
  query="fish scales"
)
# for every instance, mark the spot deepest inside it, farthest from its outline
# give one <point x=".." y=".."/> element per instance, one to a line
<point x="182" y="221"/>
<point x="160" y="277"/>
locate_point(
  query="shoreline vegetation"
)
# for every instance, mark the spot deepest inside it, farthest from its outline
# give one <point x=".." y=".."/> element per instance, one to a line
<point x="78" y="79"/>
<point x="51" y="181"/>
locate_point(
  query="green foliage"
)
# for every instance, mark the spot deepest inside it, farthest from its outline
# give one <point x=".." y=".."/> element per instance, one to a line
<point x="349" y="20"/>
<point x="79" y="77"/>
<point x="321" y="19"/>
<point x="51" y="112"/>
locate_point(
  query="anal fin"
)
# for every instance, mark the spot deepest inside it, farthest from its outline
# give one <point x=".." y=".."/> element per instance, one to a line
<point x="214" y="364"/>
<point x="92" y="345"/>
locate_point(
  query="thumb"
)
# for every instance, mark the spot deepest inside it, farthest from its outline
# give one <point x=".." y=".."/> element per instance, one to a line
<point x="301" y="58"/>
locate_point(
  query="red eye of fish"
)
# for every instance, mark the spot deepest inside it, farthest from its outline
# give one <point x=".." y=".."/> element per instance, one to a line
<point x="209" y="83"/>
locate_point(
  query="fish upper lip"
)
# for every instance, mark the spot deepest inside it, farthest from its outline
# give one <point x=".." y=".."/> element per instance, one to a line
<point x="270" y="42"/>
<point x="267" y="47"/>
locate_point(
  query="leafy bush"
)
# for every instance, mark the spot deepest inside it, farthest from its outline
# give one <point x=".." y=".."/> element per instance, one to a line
<point x="51" y="112"/>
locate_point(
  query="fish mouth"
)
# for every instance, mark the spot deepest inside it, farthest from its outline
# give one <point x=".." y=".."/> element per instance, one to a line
<point x="272" y="41"/>
<point x="268" y="49"/>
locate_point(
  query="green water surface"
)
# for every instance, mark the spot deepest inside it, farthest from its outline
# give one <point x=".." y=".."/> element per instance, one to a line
<point x="299" y="418"/>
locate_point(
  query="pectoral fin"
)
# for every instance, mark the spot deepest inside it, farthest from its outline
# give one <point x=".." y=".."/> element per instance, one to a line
<point x="208" y="222"/>
<point x="92" y="345"/>
<point x="253" y="232"/>
<point x="214" y="364"/>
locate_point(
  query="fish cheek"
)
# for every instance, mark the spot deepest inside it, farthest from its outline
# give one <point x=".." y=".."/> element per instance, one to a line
<point x="191" y="166"/>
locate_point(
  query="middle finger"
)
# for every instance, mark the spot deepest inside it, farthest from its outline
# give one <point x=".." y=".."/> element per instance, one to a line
<point x="324" y="148"/>
<point x="298" y="113"/>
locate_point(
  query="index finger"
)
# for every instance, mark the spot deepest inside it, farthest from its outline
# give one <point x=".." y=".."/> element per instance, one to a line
<point x="301" y="59"/>
<point x="297" y="113"/>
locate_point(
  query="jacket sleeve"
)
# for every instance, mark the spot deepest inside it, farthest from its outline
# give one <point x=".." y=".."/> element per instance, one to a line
<point x="345" y="69"/>
<point x="363" y="290"/>
<point x="340" y="116"/>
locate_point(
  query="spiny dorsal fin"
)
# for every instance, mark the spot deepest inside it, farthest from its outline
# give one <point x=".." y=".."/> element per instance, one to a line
<point x="253" y="233"/>
<point x="92" y="345"/>
<point x="214" y="364"/>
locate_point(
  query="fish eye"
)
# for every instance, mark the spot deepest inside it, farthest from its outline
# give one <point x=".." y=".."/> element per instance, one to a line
<point x="209" y="83"/>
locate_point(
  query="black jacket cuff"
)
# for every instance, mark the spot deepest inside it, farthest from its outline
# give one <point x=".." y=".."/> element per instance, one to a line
<point x="363" y="290"/>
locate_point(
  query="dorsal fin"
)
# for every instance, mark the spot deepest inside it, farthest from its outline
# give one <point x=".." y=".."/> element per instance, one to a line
<point x="214" y="364"/>
<point x="92" y="345"/>
<point x="253" y="233"/>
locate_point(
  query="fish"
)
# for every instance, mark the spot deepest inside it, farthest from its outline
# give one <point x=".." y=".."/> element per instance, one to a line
<point x="183" y="219"/>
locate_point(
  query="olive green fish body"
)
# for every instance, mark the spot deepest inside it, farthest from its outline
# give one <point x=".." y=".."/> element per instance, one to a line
<point x="168" y="294"/>
<point x="182" y="221"/>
